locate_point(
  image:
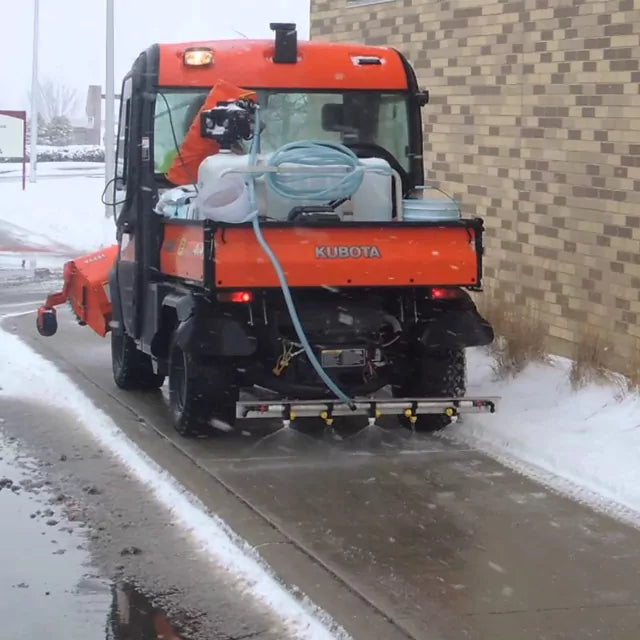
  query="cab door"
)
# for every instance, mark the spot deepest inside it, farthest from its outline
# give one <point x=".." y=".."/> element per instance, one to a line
<point x="125" y="203"/>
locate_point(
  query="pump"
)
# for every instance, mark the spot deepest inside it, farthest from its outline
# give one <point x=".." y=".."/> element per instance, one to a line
<point x="229" y="122"/>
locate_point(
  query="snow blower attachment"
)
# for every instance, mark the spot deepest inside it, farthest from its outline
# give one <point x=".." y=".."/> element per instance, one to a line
<point x="312" y="272"/>
<point x="85" y="287"/>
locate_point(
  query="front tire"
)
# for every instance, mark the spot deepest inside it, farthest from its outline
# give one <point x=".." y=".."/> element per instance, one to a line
<point x="199" y="393"/>
<point x="132" y="369"/>
<point x="439" y="374"/>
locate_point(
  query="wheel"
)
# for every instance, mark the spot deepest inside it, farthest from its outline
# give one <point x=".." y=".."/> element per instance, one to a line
<point x="199" y="393"/>
<point x="132" y="369"/>
<point x="440" y="374"/>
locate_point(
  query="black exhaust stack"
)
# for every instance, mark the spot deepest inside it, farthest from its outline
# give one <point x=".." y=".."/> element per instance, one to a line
<point x="286" y="42"/>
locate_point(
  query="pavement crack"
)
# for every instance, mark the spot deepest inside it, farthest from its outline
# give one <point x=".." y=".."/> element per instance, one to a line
<point x="270" y="544"/>
<point x="580" y="607"/>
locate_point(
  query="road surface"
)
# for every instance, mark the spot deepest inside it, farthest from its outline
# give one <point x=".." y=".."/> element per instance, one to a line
<point x="395" y="536"/>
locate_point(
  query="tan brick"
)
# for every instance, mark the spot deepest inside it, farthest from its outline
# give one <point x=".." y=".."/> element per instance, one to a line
<point x="533" y="130"/>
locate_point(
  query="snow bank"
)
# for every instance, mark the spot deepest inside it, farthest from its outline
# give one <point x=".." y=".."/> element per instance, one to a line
<point x="22" y="370"/>
<point x="585" y="443"/>
<point x="68" y="212"/>
<point x="48" y="169"/>
<point x="72" y="152"/>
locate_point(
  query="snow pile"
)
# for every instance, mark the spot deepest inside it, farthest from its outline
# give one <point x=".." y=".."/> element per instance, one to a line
<point x="71" y="153"/>
<point x="56" y="169"/>
<point x="22" y="370"/>
<point x="66" y="211"/>
<point x="585" y="443"/>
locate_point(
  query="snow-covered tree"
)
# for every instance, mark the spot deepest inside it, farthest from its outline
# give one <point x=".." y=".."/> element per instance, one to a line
<point x="56" y="105"/>
<point x="58" y="132"/>
<point x="55" y="100"/>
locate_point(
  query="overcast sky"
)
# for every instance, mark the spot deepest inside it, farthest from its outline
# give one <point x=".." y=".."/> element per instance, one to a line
<point x="72" y="34"/>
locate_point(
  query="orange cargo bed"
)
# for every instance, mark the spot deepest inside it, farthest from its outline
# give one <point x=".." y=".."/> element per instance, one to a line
<point x="342" y="255"/>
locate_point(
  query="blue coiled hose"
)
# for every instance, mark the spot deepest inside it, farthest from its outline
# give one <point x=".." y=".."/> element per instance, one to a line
<point x="312" y="154"/>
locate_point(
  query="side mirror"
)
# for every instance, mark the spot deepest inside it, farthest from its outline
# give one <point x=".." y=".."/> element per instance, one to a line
<point x="421" y="97"/>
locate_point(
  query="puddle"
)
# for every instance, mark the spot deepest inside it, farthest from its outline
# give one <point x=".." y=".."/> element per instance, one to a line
<point x="49" y="587"/>
<point x="133" y="617"/>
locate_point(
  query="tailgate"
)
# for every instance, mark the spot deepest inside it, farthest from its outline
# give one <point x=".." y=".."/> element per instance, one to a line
<point x="391" y="254"/>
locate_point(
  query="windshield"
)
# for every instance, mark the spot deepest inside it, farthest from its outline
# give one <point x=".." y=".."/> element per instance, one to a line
<point x="379" y="118"/>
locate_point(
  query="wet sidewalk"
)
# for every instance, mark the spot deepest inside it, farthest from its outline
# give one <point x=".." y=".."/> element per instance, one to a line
<point x="89" y="553"/>
<point x="49" y="586"/>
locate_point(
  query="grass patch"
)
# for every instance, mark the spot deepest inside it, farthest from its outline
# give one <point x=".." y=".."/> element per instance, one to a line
<point x="633" y="371"/>
<point x="590" y="358"/>
<point x="520" y="335"/>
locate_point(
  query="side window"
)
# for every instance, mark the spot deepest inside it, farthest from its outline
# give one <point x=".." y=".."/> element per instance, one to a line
<point x="294" y="116"/>
<point x="393" y="127"/>
<point x="174" y="114"/>
<point x="123" y="134"/>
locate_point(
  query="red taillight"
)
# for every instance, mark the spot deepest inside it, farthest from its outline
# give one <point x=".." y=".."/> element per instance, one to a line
<point x="243" y="297"/>
<point x="444" y="293"/>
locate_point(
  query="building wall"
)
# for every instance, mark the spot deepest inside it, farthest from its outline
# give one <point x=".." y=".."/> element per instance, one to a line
<point x="534" y="124"/>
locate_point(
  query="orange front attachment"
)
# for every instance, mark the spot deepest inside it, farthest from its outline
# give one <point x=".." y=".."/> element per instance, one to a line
<point x="87" y="279"/>
<point x="348" y="256"/>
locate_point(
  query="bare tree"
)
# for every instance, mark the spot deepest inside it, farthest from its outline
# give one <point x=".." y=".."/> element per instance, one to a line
<point x="55" y="100"/>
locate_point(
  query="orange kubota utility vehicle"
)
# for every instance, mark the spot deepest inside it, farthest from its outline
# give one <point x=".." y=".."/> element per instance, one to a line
<point x="314" y="271"/>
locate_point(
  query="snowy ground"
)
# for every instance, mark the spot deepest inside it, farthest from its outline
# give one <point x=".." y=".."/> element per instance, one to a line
<point x="53" y="169"/>
<point x="57" y="212"/>
<point x="585" y="443"/>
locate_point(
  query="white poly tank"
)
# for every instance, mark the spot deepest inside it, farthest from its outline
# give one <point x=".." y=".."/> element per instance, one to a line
<point x="371" y="202"/>
<point x="212" y="168"/>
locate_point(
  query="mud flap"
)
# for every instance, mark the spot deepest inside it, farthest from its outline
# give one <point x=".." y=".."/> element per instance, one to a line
<point x="457" y="329"/>
<point x="214" y="337"/>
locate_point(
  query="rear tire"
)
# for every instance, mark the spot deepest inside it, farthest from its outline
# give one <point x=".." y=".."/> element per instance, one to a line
<point x="439" y="374"/>
<point x="132" y="369"/>
<point x="199" y="393"/>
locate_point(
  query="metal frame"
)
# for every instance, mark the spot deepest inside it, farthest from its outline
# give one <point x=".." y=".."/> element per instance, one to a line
<point x="372" y="408"/>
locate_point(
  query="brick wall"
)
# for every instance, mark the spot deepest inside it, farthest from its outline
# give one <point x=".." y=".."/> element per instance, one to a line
<point x="534" y="124"/>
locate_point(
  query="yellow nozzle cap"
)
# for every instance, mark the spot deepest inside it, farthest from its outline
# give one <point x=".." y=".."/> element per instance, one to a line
<point x="450" y="412"/>
<point x="324" y="415"/>
<point x="408" y="413"/>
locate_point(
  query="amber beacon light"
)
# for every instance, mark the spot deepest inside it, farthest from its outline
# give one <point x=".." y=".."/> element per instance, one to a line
<point x="198" y="57"/>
